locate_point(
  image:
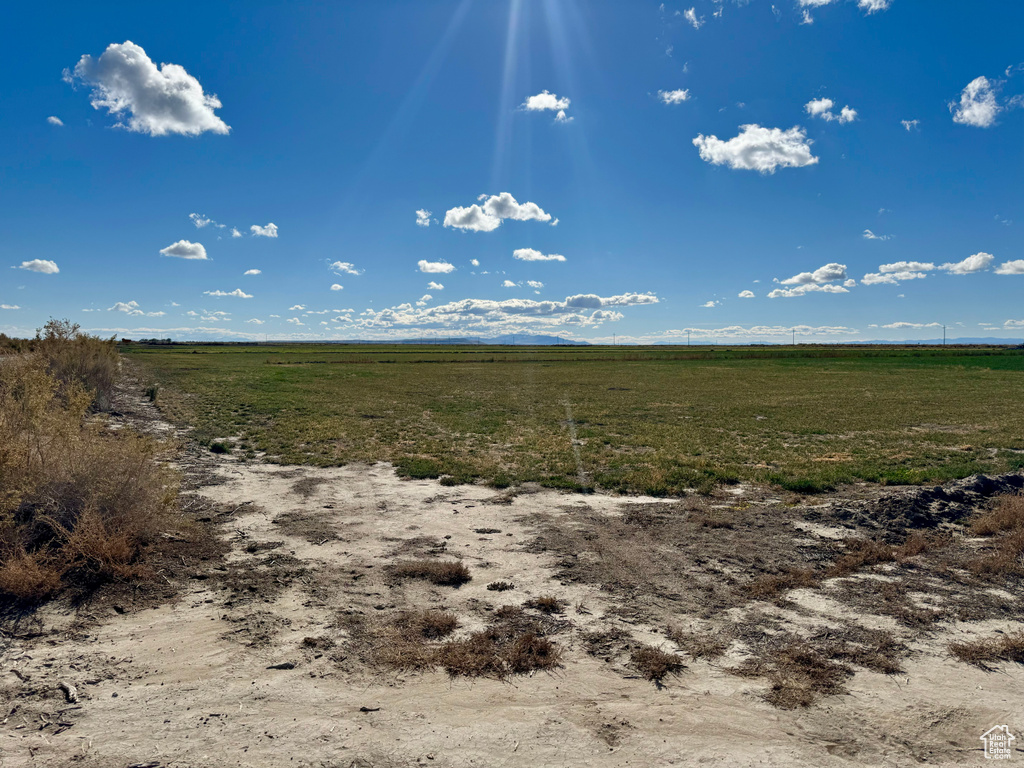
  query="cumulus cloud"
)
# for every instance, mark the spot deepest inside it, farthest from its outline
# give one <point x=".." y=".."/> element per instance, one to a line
<point x="907" y="266"/>
<point x="1014" y="324"/>
<point x="238" y="293"/>
<point x="475" y="262"/>
<point x="545" y="101"/>
<point x="183" y="249"/>
<point x="435" y="267"/>
<point x="535" y="283"/>
<point x="253" y="272"/>
<point x="825" y="274"/>
<point x="235" y="232"/>
<point x="674" y="97"/>
<point x="892" y="277"/>
<point x="44" y="266"/>
<point x="1015" y="267"/>
<point x="903" y="325"/>
<point x="910" y="125"/>
<point x="268" y="231"/>
<point x="869" y="235"/>
<point x="488" y="217"/>
<point x="977" y="105"/>
<point x="800" y="290"/>
<point x="132" y="308"/>
<point x="423" y="218"/>
<point x="691" y="17"/>
<point x="336" y="287"/>
<point x="709" y="304"/>
<point x="746" y="294"/>
<point x="435" y="286"/>
<point x="758" y="149"/>
<point x="529" y="254"/>
<point x="255" y="321"/>
<point x="424" y="300"/>
<point x="344" y="267"/>
<point x="296" y="308"/>
<point x="294" y="321"/>
<point x="145" y="98"/>
<point x="508" y="284"/>
<point x="199" y="220"/>
<point x="54" y="120"/>
<point x="976" y="263"/>
<point x="823" y="108"/>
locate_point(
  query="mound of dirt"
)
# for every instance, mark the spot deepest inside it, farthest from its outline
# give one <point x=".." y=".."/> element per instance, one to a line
<point x="916" y="508"/>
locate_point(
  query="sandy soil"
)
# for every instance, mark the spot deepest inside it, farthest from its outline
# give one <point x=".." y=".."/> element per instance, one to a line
<point x="189" y="682"/>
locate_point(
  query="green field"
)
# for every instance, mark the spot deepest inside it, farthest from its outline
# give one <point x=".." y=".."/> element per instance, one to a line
<point x="655" y="420"/>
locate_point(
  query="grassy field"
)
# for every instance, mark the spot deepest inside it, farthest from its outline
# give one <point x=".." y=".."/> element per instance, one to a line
<point x="654" y="420"/>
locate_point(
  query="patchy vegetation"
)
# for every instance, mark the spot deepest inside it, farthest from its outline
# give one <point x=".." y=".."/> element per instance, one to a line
<point x="989" y="650"/>
<point x="440" y="572"/>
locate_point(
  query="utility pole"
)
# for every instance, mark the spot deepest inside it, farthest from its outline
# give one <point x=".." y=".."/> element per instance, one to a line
<point x="687" y="338"/>
<point x="613" y="339"/>
<point x="943" y="335"/>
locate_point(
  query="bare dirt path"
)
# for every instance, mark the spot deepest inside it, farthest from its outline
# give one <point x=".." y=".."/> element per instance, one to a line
<point x="192" y="683"/>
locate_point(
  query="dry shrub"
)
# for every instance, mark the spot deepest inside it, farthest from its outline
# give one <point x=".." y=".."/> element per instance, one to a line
<point x="426" y="625"/>
<point x="72" y="357"/>
<point x="77" y="502"/>
<point x="861" y="553"/>
<point x="500" y="586"/>
<point x="1008" y="515"/>
<point x="797" y="672"/>
<point x="546" y="604"/>
<point x="1005" y="559"/>
<point x="917" y="543"/>
<point x="440" y="572"/>
<point x="770" y="586"/>
<point x="698" y="646"/>
<point x="878" y="651"/>
<point x="655" y="664"/>
<point x="991" y="649"/>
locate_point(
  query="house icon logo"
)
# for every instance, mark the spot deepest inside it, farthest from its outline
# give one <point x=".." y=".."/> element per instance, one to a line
<point x="998" y="743"/>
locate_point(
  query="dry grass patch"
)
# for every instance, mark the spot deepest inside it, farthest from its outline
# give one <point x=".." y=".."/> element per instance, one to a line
<point x="1007" y="515"/>
<point x="798" y="674"/>
<point x="1005" y="523"/>
<point x="700" y="646"/>
<point x="546" y="604"/>
<point x="655" y="664"/>
<point x="986" y="651"/>
<point x="440" y="572"/>
<point x="770" y="586"/>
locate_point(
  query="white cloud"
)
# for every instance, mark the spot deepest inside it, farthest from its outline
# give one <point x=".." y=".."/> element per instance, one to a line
<point x="124" y="306"/>
<point x="475" y="262"/>
<point x="907" y="266"/>
<point x="238" y="293"/>
<point x="296" y="308"/>
<point x="561" y="117"/>
<point x="183" y="249"/>
<point x="869" y="235"/>
<point x="294" y="321"/>
<point x="156" y="101"/>
<point x="488" y="217"/>
<point x="423" y="218"/>
<point x="336" y="287"/>
<point x="424" y="300"/>
<point x="268" y="231"/>
<point x="710" y="304"/>
<point x="9" y="306"/>
<point x="892" y="278"/>
<point x="255" y="321"/>
<point x="199" y="220"/>
<point x="435" y="286"/>
<point x="825" y="274"/>
<point x="435" y="267"/>
<point x="977" y="104"/>
<point x="252" y="272"/>
<point x="902" y="325"/>
<point x="800" y="290"/>
<point x="1011" y="267"/>
<point x="849" y="283"/>
<point x="823" y="108"/>
<point x="813" y="3"/>
<point x="508" y="284"/>
<point x="235" y="232"/>
<point x="529" y="254"/>
<point x="1014" y="324"/>
<point x="54" y="120"/>
<point x="758" y="149"/>
<point x="344" y="267"/>
<point x="45" y="266"/>
<point x="674" y="97"/>
<point x="976" y="263"/>
<point x="746" y="294"/>
<point x="691" y="16"/>
<point x="910" y="125"/>
<point x="545" y="101"/>
<point x="535" y="283"/>
<point x="873" y="6"/>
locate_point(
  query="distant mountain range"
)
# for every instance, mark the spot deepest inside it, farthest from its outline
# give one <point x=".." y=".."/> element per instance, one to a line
<point x="518" y="339"/>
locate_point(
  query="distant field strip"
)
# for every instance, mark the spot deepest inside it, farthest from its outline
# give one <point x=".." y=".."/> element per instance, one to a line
<point x="648" y="419"/>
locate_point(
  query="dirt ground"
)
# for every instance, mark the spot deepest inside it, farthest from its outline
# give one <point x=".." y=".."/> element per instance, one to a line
<point x="263" y="645"/>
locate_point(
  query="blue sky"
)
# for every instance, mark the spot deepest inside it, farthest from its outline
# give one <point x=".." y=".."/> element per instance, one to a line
<point x="395" y="169"/>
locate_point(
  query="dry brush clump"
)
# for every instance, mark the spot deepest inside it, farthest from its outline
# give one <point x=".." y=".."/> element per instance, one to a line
<point x="989" y="650"/>
<point x="77" y="502"/>
<point x="655" y="664"/>
<point x="1004" y="523"/>
<point x="440" y="572"/>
